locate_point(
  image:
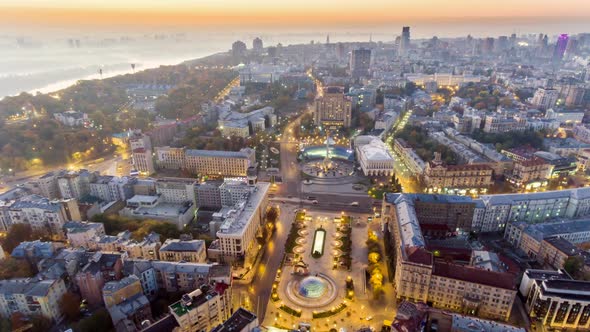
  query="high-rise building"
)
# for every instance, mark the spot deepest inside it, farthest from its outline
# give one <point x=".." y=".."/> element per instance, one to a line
<point x="333" y="109"/>
<point x="572" y="48"/>
<point x="545" y="98"/>
<point x="360" y="62"/>
<point x="257" y="45"/>
<point x="143" y="161"/>
<point x="560" y="47"/>
<point x="404" y="42"/>
<point x="238" y="49"/>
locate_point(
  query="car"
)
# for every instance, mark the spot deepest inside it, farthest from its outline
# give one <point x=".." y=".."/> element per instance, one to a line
<point x="369" y="318"/>
<point x="314" y="202"/>
<point x="354" y="204"/>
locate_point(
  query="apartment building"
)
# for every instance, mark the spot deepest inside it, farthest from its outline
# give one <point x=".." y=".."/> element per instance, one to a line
<point x="501" y="124"/>
<point x="186" y="277"/>
<point x="555" y="251"/>
<point x="176" y="190"/>
<point x="143" y="161"/>
<point x="420" y="277"/>
<point x="31" y="297"/>
<point x="526" y="172"/>
<point x="174" y="250"/>
<point x="170" y="158"/>
<point x="220" y="163"/>
<point x="200" y="310"/>
<point x="126" y="304"/>
<point x="47" y="185"/>
<point x="529" y="237"/>
<point x="236" y="232"/>
<point x="100" y="269"/>
<point x="439" y="176"/>
<point x="42" y="214"/>
<point x="241" y="320"/>
<point x="409" y="157"/>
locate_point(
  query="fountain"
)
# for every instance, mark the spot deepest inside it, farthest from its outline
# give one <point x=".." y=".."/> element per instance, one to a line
<point x="313" y="287"/>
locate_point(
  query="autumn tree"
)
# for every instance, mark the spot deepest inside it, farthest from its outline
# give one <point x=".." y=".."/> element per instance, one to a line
<point x="272" y="214"/>
<point x="70" y="305"/>
<point x="14" y="268"/>
<point x="17" y="233"/>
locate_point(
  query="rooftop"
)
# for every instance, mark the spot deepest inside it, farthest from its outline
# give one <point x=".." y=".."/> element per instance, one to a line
<point x="541" y="231"/>
<point x="28" y="286"/>
<point x="242" y="213"/>
<point x="239" y="320"/>
<point x="469" y="324"/>
<point x="81" y="226"/>
<point x="113" y="286"/>
<point x="474" y="275"/>
<point x="243" y="154"/>
<point x="562" y="245"/>
<point x="179" y="245"/>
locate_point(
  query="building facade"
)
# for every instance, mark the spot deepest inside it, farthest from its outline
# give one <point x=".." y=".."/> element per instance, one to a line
<point x="333" y="109"/>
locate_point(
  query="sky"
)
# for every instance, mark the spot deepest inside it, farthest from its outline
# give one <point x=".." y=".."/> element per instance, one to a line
<point x="283" y="12"/>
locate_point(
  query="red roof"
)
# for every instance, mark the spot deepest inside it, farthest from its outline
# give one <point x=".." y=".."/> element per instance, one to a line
<point x="419" y="255"/>
<point x="468" y="167"/>
<point x="139" y="150"/>
<point x="475" y="275"/>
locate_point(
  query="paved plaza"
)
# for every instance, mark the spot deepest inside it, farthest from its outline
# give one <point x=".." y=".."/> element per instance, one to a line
<point x="319" y="285"/>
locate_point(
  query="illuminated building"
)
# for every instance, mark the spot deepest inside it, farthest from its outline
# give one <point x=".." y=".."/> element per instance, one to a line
<point x="333" y="109"/>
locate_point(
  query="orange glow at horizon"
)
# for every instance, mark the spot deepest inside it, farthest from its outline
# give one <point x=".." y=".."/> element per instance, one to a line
<point x="266" y="12"/>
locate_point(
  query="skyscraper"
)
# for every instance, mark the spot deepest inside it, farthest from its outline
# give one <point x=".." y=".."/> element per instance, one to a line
<point x="404" y="42"/>
<point x="560" y="47"/>
<point x="238" y="49"/>
<point x="257" y="45"/>
<point x="360" y="62"/>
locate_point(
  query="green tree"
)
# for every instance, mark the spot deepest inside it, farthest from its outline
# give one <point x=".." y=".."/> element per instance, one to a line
<point x="573" y="265"/>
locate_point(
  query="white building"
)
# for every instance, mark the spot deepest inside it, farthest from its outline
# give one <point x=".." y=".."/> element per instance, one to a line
<point x="176" y="190"/>
<point x="42" y="214"/>
<point x="567" y="117"/>
<point x="82" y="233"/>
<point x="32" y="297"/>
<point x="152" y="207"/>
<point x="239" y="224"/>
<point x="200" y="311"/>
<point x="373" y="156"/>
<point x="232" y="123"/>
<point x="143" y="161"/>
<point x="71" y="118"/>
<point x="545" y="98"/>
<point x="170" y="158"/>
<point x="443" y="79"/>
